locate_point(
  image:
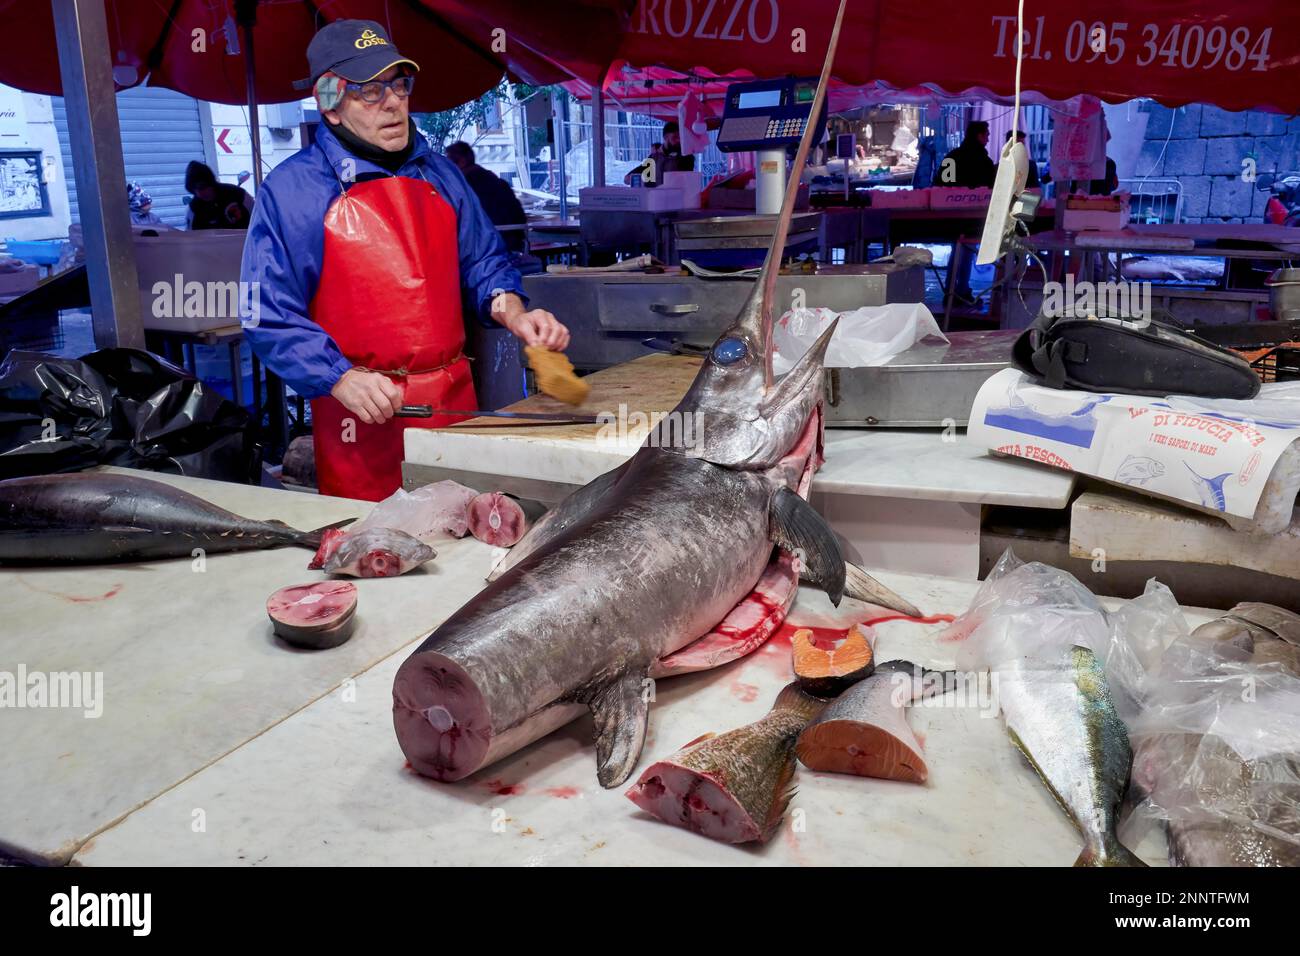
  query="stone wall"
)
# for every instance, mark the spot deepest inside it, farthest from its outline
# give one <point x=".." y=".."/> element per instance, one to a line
<point x="1205" y="152"/>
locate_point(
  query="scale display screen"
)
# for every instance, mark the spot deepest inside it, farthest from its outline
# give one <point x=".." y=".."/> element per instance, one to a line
<point x="767" y="114"/>
<point x="759" y="98"/>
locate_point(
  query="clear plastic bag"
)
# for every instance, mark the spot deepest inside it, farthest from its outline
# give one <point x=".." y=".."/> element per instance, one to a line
<point x="1217" y="746"/>
<point x="430" y="513"/>
<point x="1025" y="612"/>
<point x="871" y="335"/>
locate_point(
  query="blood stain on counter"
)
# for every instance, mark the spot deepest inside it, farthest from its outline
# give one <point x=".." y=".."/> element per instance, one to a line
<point x="74" y="598"/>
<point x="744" y="692"/>
<point x="502" y="789"/>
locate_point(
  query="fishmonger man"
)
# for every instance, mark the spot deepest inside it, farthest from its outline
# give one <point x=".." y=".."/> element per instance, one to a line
<point x="360" y="244"/>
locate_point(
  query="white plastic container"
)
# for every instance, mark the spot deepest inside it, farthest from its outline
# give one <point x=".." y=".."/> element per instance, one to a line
<point x="189" y="281"/>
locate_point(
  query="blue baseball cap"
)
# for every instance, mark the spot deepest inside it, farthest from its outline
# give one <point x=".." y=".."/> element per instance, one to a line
<point x="357" y="50"/>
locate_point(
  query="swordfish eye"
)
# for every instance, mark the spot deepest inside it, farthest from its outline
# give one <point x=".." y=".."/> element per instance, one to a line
<point x="729" y="351"/>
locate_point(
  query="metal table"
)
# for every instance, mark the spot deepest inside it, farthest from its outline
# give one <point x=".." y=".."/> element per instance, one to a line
<point x="1099" y="257"/>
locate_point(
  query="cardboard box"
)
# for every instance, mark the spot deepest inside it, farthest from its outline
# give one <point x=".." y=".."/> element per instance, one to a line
<point x="644" y="199"/>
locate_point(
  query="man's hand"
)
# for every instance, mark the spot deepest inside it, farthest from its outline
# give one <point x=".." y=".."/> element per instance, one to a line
<point x="537" y="327"/>
<point x="372" y="397"/>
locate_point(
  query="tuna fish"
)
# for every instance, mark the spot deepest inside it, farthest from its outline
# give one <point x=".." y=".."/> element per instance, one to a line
<point x="638" y="564"/>
<point x="372" y="553"/>
<point x="95" y="518"/>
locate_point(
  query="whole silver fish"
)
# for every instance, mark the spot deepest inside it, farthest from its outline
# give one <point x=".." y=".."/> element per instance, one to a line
<point x="96" y="518"/>
<point x="1061" y="717"/>
<point x="635" y="565"/>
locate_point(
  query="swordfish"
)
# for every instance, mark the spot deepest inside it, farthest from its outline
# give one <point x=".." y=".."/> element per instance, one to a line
<point x="639" y="563"/>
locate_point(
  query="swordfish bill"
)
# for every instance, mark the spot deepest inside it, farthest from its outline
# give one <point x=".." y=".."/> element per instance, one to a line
<point x="643" y="561"/>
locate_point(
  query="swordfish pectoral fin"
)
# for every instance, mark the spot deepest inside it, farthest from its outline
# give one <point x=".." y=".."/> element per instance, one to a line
<point x="796" y="526"/>
<point x="861" y="586"/>
<point x="620" y="710"/>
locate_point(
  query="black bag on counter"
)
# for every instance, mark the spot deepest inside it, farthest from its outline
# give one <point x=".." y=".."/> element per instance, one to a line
<point x="1108" y="355"/>
<point x="118" y="407"/>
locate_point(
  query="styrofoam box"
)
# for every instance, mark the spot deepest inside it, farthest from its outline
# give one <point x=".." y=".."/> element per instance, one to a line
<point x="900" y="198"/>
<point x="959" y="197"/>
<point x="209" y="257"/>
<point x="1084" y="220"/>
<point x="688" y="181"/>
<point x="1104" y="220"/>
<point x="645" y="199"/>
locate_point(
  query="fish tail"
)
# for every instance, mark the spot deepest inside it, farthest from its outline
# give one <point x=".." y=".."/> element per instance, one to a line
<point x="1110" y="853"/>
<point x="312" y="539"/>
<point x="796" y="701"/>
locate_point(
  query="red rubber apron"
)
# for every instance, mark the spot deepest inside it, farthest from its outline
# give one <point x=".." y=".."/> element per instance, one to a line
<point x="389" y="295"/>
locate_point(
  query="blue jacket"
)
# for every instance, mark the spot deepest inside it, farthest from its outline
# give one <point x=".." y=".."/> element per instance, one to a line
<point x="285" y="247"/>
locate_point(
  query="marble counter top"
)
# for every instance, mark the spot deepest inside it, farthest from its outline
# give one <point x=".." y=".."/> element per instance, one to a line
<point x="627" y="399"/>
<point x="897" y="463"/>
<point x="190" y="668"/>
<point x="328" y="785"/>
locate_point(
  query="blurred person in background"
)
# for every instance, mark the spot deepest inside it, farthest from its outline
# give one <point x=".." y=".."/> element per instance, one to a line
<point x="969" y="164"/>
<point x="215" y="205"/>
<point x="494" y="194"/>
<point x="141" y="203"/>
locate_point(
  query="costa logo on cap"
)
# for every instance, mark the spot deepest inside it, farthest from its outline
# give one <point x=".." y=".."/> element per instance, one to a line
<point x="370" y="38"/>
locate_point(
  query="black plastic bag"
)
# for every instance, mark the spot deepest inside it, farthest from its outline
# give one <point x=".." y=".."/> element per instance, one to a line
<point x="118" y="407"/>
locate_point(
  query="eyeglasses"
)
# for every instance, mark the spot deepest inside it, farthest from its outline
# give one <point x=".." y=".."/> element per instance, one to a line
<point x="376" y="90"/>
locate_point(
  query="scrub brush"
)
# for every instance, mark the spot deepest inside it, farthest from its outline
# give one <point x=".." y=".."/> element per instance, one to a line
<point x="555" y="375"/>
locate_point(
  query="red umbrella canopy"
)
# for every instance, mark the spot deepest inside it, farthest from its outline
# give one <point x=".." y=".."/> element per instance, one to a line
<point x="1234" y="55"/>
<point x="563" y="38"/>
<point x="656" y="91"/>
<point x="194" y="46"/>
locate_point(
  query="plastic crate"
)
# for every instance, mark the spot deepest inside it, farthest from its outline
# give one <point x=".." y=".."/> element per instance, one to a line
<point x="42" y="253"/>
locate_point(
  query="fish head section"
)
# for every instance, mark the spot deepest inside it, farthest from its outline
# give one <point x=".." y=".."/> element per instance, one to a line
<point x="378" y="553"/>
<point x="743" y="423"/>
